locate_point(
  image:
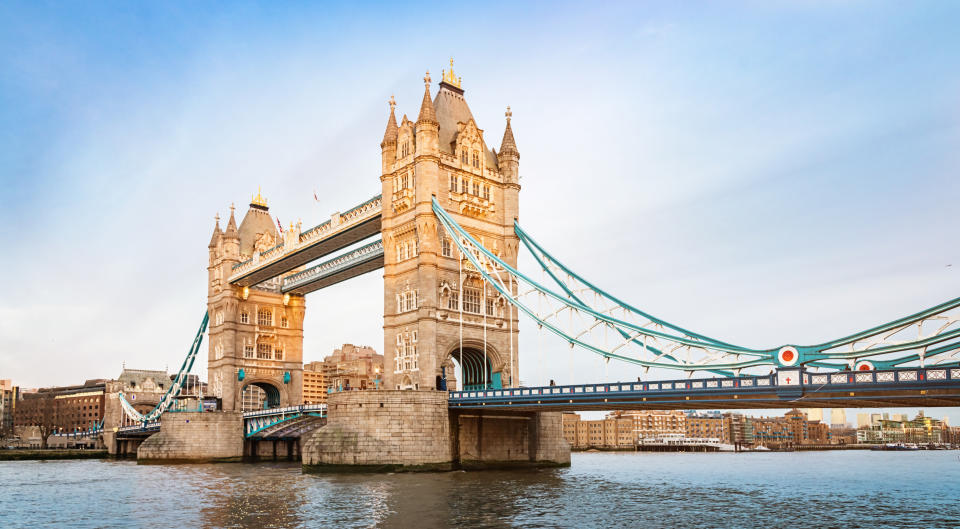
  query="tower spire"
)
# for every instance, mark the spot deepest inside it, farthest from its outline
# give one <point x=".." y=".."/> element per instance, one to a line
<point x="390" y="135"/>
<point x="508" y="145"/>
<point x="231" y="230"/>
<point x="216" y="232"/>
<point x="427" y="112"/>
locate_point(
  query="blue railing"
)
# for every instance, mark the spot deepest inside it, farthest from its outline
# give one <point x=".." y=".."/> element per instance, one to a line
<point x="780" y="381"/>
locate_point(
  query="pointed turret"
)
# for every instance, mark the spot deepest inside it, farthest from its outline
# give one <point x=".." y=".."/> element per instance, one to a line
<point x="231" y="231"/>
<point x="215" y="238"/>
<point x="509" y="157"/>
<point x="509" y="145"/>
<point x="390" y="135"/>
<point x="427" y="112"/>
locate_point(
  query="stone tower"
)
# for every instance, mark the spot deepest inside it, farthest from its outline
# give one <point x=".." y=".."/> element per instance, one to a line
<point x="256" y="333"/>
<point x="428" y="285"/>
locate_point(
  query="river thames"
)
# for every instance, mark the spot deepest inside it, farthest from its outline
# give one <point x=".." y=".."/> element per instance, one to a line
<point x="796" y="489"/>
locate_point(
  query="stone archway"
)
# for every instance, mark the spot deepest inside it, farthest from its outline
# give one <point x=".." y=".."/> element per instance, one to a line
<point x="480" y="368"/>
<point x="260" y="394"/>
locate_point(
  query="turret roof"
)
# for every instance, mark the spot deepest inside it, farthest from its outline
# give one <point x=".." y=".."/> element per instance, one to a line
<point x="390" y="135"/>
<point x="427" y="113"/>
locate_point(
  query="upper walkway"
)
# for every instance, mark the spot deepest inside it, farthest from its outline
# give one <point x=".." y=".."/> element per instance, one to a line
<point x="786" y="388"/>
<point x="299" y="248"/>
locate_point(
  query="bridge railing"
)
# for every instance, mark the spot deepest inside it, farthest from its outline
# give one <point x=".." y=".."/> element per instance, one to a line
<point x="332" y="266"/>
<point x="877" y="378"/>
<point x="303" y="408"/>
<point x="155" y="425"/>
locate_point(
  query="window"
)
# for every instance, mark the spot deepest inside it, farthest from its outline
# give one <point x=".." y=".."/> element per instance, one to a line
<point x="407" y="301"/>
<point x="476" y="189"/>
<point x="244" y="317"/>
<point x="265" y="318"/>
<point x="248" y="351"/>
<point x="454" y="301"/>
<point x="489" y="306"/>
<point x="486" y="192"/>
<point x="264" y="351"/>
<point x="463" y="155"/>
<point x="463" y="186"/>
<point x="471" y="300"/>
<point x="445" y="247"/>
<point x="283" y="322"/>
<point x="278" y="352"/>
<point x="453" y="183"/>
<point x="476" y="159"/>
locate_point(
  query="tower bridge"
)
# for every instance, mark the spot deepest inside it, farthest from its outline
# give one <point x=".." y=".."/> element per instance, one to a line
<point x="445" y="232"/>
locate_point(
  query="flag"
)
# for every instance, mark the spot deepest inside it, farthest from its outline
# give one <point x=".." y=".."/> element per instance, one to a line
<point x="315" y="197"/>
<point x="279" y="225"/>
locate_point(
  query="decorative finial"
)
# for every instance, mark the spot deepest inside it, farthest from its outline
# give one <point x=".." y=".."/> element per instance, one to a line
<point x="231" y="208"/>
<point x="508" y="113"/>
<point x="258" y="199"/>
<point x="216" y="218"/>
<point x="393" y="103"/>
<point x="426" y="78"/>
<point x="449" y="77"/>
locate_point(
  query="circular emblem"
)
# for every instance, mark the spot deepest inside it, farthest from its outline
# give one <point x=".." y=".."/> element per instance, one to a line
<point x="788" y="356"/>
<point x="864" y="365"/>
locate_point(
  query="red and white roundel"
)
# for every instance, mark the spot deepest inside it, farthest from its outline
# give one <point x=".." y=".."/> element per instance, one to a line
<point x="788" y="356"/>
<point x="864" y="366"/>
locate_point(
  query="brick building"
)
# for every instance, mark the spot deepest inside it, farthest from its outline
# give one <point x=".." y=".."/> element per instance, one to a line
<point x="64" y="409"/>
<point x="612" y="432"/>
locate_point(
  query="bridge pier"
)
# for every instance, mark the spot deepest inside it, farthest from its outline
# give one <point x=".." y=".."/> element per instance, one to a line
<point x="395" y="430"/>
<point x="188" y="437"/>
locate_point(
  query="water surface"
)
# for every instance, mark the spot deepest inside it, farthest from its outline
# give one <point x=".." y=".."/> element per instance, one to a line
<point x="798" y="489"/>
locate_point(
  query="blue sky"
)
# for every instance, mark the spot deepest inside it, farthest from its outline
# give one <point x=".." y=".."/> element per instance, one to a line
<point x="765" y="174"/>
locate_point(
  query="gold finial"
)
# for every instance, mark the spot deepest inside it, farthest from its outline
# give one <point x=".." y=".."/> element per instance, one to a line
<point x="449" y="77"/>
<point x="508" y="113"/>
<point x="393" y="103"/>
<point x="258" y="199"/>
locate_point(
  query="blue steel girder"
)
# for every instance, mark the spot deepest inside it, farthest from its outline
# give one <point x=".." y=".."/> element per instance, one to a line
<point x="791" y="387"/>
<point x="657" y="343"/>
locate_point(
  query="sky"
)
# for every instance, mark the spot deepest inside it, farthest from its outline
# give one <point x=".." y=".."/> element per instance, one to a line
<point x="765" y="174"/>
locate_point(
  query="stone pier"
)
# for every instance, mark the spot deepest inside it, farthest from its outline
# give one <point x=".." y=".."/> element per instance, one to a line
<point x="395" y="430"/>
<point x="193" y="437"/>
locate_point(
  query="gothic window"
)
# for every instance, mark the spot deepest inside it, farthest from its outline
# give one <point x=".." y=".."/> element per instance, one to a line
<point x="278" y="352"/>
<point x="244" y="317"/>
<point x="463" y="155"/>
<point x="486" y="192"/>
<point x="283" y="322"/>
<point x="489" y="306"/>
<point x="453" y="301"/>
<point x="476" y="159"/>
<point x="476" y="189"/>
<point x="248" y="351"/>
<point x="445" y="247"/>
<point x="453" y="183"/>
<point x="264" y="351"/>
<point x="463" y="186"/>
<point x="471" y="300"/>
<point x="265" y="318"/>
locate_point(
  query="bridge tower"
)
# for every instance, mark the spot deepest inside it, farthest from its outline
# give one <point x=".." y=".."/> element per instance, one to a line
<point x="428" y="285"/>
<point x="256" y="333"/>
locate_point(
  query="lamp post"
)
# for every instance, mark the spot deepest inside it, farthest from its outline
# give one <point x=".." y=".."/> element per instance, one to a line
<point x="376" y="379"/>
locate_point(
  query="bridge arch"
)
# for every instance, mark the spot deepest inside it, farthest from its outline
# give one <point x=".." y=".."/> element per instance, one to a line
<point x="253" y="391"/>
<point x="477" y="367"/>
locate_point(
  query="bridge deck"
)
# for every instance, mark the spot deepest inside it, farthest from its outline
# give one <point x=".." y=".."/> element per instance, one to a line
<point x="365" y="259"/>
<point x="931" y="387"/>
<point x="353" y="226"/>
